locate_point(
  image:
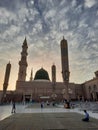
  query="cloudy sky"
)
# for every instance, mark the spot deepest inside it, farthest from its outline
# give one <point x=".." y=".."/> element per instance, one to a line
<point x="44" y="23"/>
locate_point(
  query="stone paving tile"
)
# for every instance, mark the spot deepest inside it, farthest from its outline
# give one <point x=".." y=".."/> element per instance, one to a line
<point x="47" y="121"/>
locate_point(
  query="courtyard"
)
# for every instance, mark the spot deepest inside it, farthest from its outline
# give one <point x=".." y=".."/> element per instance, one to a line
<point x="32" y="117"/>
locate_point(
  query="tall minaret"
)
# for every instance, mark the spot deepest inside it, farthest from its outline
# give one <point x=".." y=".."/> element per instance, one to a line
<point x="53" y="74"/>
<point x="65" y="66"/>
<point x="23" y="62"/>
<point x="64" y="60"/>
<point x="6" y="80"/>
<point x="31" y="76"/>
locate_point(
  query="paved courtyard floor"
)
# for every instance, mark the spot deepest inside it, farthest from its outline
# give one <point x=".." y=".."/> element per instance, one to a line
<point x="5" y="110"/>
<point x="32" y="117"/>
<point x="47" y="121"/>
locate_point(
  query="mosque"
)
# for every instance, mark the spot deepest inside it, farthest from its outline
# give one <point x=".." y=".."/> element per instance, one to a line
<point x="42" y="88"/>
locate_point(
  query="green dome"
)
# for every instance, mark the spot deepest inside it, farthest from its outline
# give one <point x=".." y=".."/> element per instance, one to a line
<point x="41" y="75"/>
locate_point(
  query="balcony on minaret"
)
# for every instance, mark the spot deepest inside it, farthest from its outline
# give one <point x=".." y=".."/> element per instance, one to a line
<point x="23" y="63"/>
<point x="65" y="75"/>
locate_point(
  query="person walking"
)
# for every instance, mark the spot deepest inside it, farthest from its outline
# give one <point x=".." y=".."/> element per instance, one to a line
<point x="13" y="107"/>
<point x="42" y="104"/>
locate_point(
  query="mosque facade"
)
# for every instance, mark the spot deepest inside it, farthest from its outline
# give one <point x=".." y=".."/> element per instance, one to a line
<point x="41" y="88"/>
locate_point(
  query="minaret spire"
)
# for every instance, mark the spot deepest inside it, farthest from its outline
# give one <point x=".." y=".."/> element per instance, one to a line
<point x="65" y="66"/>
<point x="53" y="68"/>
<point x="23" y="62"/>
<point x="25" y="40"/>
<point x="31" y="76"/>
<point x="64" y="60"/>
<point x="6" y="80"/>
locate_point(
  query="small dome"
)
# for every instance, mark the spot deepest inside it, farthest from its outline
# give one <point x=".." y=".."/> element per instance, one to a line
<point x="41" y="75"/>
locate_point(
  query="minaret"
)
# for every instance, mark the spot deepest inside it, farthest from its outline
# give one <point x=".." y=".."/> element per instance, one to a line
<point x="6" y="80"/>
<point x="64" y="60"/>
<point x="65" y="66"/>
<point x="53" y="74"/>
<point x="23" y="62"/>
<point x="31" y="76"/>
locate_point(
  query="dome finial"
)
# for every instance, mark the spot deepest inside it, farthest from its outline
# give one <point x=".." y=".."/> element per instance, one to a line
<point x="63" y="38"/>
